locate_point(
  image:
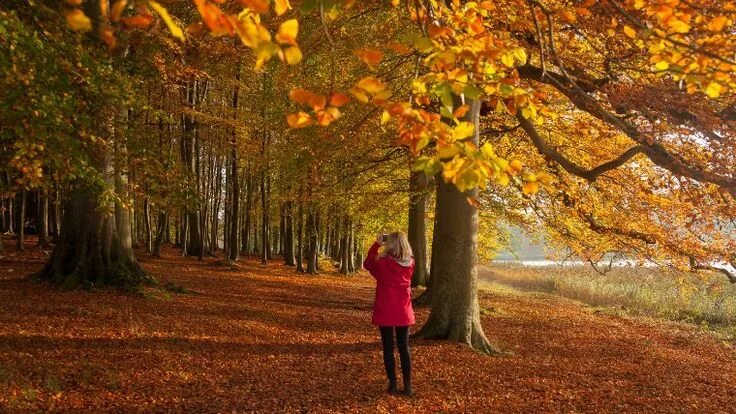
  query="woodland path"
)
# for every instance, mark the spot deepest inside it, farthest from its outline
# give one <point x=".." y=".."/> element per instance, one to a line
<point x="264" y="339"/>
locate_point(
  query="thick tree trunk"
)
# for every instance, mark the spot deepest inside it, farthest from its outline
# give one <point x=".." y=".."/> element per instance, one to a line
<point x="162" y="223"/>
<point x="455" y="313"/>
<point x="193" y="94"/>
<point x="417" y="231"/>
<point x="87" y="252"/>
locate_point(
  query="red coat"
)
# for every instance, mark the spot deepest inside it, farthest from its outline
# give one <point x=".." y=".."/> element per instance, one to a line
<point x="392" y="306"/>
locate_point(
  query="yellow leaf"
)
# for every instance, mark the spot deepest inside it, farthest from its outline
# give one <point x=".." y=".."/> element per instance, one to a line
<point x="293" y="55"/>
<point x="463" y="130"/>
<point x="502" y="179"/>
<point x="170" y="23"/>
<point x="287" y="32"/>
<point x="714" y="90"/>
<point x="78" y="21"/>
<point x="679" y="26"/>
<point x="446" y="152"/>
<point x="281" y="6"/>
<point x="662" y="65"/>
<point x="299" y="120"/>
<point x="629" y="32"/>
<point x="507" y="59"/>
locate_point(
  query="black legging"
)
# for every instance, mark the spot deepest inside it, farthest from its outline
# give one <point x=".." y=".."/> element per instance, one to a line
<point x="402" y="342"/>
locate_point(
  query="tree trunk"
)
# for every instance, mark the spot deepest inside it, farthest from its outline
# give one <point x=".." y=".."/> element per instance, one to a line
<point x="265" y="239"/>
<point x="193" y="94"/>
<point x="455" y="313"/>
<point x="162" y="223"/>
<point x="345" y="250"/>
<point x="43" y="219"/>
<point x="300" y="240"/>
<point x="57" y="214"/>
<point x="289" y="234"/>
<point x="311" y="233"/>
<point x="417" y="231"/>
<point x="234" y="247"/>
<point x="147" y="225"/>
<point x="248" y="214"/>
<point x="94" y="248"/>
<point x="20" y="246"/>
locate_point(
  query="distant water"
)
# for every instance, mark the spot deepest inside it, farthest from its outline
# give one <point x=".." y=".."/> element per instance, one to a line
<point x="567" y="263"/>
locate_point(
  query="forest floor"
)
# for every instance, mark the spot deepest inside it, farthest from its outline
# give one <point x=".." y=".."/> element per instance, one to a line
<point x="265" y="339"/>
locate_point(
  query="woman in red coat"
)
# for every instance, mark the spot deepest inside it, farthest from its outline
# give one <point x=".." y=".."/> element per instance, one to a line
<point x="392" y="311"/>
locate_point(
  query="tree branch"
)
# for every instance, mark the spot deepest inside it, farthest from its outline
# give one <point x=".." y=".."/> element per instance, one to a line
<point x="656" y="152"/>
<point x="569" y="166"/>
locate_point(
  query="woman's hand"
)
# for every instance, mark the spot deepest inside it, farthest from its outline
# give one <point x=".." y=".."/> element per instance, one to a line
<point x="379" y="239"/>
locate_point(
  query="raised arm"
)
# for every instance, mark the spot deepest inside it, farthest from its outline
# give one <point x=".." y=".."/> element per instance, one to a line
<point x="370" y="260"/>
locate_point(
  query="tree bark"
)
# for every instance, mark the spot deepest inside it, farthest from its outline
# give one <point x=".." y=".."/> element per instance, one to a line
<point x="417" y="231"/>
<point x="311" y="233"/>
<point x="20" y="246"/>
<point x="43" y="218"/>
<point x="265" y="240"/>
<point x="234" y="245"/>
<point x="289" y="234"/>
<point x="300" y="240"/>
<point x="455" y="312"/>
<point x="162" y="228"/>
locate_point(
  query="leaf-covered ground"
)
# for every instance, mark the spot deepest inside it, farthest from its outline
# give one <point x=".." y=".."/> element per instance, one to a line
<point x="264" y="339"/>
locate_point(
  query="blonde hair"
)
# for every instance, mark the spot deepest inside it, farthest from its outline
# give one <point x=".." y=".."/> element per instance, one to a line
<point x="398" y="247"/>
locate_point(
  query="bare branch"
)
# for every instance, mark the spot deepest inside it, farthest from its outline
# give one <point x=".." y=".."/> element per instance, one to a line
<point x="569" y="166"/>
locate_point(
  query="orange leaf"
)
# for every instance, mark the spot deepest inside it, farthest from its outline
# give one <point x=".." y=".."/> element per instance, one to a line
<point x="338" y="99"/>
<point x="461" y="111"/>
<point x="301" y="96"/>
<point x="371" y="57"/>
<point x="371" y="85"/>
<point x="137" y="22"/>
<point x="299" y="120"/>
<point x="258" y="6"/>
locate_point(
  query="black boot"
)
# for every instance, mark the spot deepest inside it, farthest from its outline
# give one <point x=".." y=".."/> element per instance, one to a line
<point x="408" y="390"/>
<point x="392" y="388"/>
